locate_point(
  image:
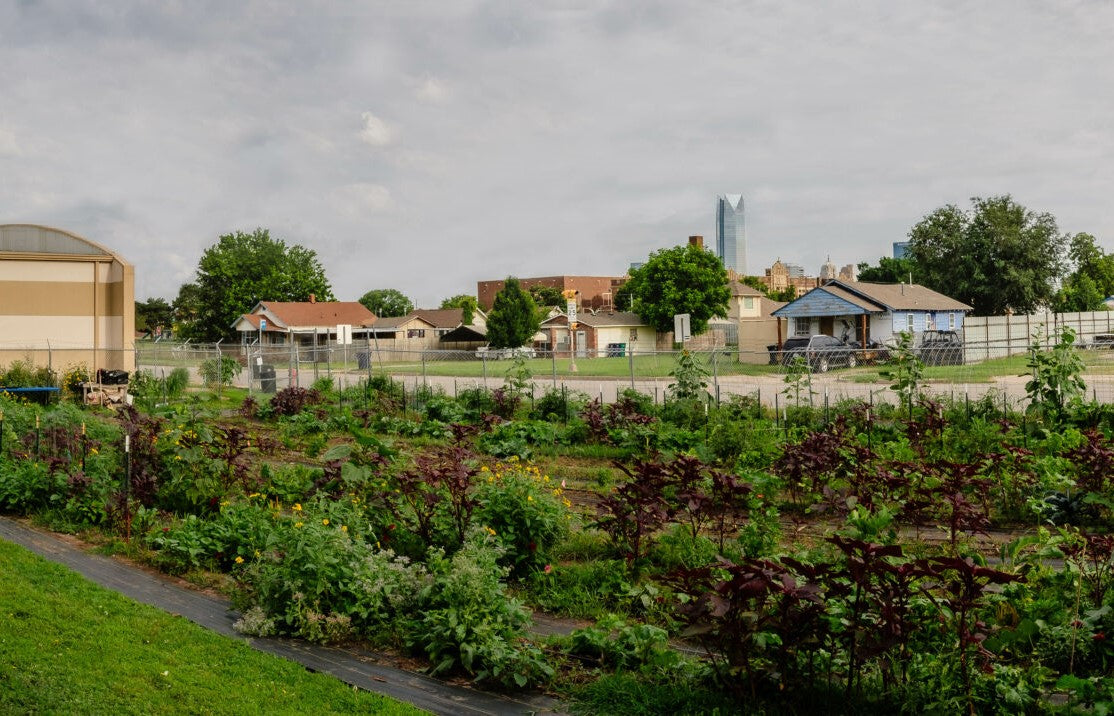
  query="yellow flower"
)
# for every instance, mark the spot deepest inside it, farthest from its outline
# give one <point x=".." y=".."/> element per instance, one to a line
<point x="257" y="554"/>
<point x="344" y="528"/>
<point x="529" y="498"/>
<point x="297" y="524"/>
<point x="297" y="507"/>
<point x="94" y="451"/>
<point x="325" y="521"/>
<point x="239" y="560"/>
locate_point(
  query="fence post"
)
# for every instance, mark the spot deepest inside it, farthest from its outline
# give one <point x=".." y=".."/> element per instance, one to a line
<point x="553" y="357"/>
<point x="630" y="360"/>
<point x="219" y="371"/>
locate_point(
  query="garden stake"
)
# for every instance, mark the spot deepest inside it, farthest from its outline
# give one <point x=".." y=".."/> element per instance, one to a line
<point x="565" y="401"/>
<point x="967" y="400"/>
<point x="83" y="443"/>
<point x="827" y="415"/>
<point x="1" y="433"/>
<point x="777" y="413"/>
<point x="759" y="403"/>
<point x="127" y="489"/>
<point x="37" y="454"/>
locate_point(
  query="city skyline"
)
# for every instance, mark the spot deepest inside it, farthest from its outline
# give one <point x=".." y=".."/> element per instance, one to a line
<point x="423" y="147"/>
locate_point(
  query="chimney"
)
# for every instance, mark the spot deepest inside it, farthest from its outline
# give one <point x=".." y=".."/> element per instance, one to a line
<point x="312" y="298"/>
<point x="696" y="241"/>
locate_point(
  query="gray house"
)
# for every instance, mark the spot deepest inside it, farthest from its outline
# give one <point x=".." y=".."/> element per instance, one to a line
<point x="868" y="312"/>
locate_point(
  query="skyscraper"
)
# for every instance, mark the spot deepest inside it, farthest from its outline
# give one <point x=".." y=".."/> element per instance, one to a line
<point x="731" y="232"/>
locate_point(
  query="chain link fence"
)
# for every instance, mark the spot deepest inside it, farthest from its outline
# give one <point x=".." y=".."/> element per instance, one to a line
<point x="952" y="371"/>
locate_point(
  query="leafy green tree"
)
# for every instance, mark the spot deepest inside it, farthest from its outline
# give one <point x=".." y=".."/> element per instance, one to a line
<point x="387" y="302"/>
<point x="1091" y="280"/>
<point x="467" y="304"/>
<point x="997" y="257"/>
<point x="622" y="298"/>
<point x="545" y="296"/>
<point x="683" y="279"/>
<point x="242" y="269"/>
<point x="513" y="319"/>
<point x="1079" y="293"/>
<point x="890" y="270"/>
<point x="186" y="306"/>
<point x="152" y="313"/>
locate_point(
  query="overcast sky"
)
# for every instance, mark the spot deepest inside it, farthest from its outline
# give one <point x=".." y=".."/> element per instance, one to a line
<point x="427" y="145"/>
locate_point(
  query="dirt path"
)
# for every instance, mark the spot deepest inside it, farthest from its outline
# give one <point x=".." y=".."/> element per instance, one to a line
<point x="364" y="669"/>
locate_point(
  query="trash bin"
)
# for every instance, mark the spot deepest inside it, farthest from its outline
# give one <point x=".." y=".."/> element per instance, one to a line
<point x="267" y="378"/>
<point x="622" y="349"/>
<point x="362" y="359"/>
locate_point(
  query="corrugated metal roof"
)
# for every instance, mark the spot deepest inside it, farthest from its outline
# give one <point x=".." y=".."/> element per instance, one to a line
<point x="34" y="239"/>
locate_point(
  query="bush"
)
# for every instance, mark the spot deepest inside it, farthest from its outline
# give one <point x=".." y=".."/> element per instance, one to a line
<point x="469" y="623"/>
<point x="525" y="512"/>
<point x="219" y="373"/>
<point x="559" y="405"/>
<point x="293" y="400"/>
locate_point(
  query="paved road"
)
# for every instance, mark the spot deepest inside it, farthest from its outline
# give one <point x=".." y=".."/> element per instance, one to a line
<point x="353" y="666"/>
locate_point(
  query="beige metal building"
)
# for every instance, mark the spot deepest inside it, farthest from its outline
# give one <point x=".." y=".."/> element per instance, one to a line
<point x="64" y="300"/>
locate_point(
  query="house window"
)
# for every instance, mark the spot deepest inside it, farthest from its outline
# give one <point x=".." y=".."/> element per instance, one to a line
<point x="930" y="321"/>
<point x="802" y="326"/>
<point x="415" y="333"/>
<point x="951" y="321"/>
<point x="909" y="322"/>
<point x="633" y="336"/>
<point x="748" y="302"/>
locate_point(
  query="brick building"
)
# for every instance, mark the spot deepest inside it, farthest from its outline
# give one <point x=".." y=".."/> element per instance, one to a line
<point x="595" y="291"/>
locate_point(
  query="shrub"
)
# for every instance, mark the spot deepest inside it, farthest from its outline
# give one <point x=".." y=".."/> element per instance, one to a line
<point x="220" y="372"/>
<point x="293" y="400"/>
<point x="72" y="379"/>
<point x="524" y="510"/>
<point x="469" y="623"/>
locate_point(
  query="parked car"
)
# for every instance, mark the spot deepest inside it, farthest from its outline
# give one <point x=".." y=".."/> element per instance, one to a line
<point x="820" y="352"/>
<point x="940" y="348"/>
<point x="1102" y="341"/>
<point x="488" y="353"/>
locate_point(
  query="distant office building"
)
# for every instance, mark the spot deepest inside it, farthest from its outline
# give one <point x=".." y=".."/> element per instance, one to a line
<point x="731" y="233"/>
<point x="850" y="272"/>
<point x="901" y="249"/>
<point x="794" y="270"/>
<point x="828" y="270"/>
<point x="778" y="278"/>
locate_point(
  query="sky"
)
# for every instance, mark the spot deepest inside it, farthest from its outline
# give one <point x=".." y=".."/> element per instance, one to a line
<point x="425" y="146"/>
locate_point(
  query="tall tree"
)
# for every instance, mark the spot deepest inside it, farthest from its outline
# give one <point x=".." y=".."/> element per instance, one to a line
<point x="513" y="319"/>
<point x="1091" y="279"/>
<point x="890" y="270"/>
<point x="242" y="269"/>
<point x="152" y="313"/>
<point x="387" y="302"/>
<point x="546" y="296"/>
<point x="998" y="256"/>
<point x="467" y="305"/>
<point x="683" y="279"/>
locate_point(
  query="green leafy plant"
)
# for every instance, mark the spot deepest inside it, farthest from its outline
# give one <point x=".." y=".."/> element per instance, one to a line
<point x="1057" y="376"/>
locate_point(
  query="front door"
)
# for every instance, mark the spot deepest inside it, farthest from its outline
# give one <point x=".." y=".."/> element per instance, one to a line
<point x="826" y="323"/>
<point x="581" y="344"/>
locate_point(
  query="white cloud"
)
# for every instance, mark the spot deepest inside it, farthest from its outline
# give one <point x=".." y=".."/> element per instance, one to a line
<point x="9" y="144"/>
<point x="362" y="198"/>
<point x="376" y="132"/>
<point x="433" y="90"/>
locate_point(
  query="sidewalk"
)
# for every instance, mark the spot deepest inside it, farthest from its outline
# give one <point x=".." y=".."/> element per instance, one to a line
<point x="353" y="666"/>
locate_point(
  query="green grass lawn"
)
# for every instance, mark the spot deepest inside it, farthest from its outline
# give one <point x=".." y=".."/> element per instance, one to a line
<point x="648" y="366"/>
<point x="69" y="646"/>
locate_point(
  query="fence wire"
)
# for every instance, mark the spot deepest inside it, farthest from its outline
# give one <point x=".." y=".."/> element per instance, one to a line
<point x="764" y="376"/>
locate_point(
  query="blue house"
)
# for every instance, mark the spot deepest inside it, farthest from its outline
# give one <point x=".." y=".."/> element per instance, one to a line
<point x="866" y="312"/>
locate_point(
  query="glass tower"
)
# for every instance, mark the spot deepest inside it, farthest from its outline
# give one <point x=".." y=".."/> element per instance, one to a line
<point x="731" y="233"/>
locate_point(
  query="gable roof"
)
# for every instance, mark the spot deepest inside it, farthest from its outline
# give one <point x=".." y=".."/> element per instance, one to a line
<point x="739" y="288"/>
<point x="301" y="314"/>
<point x="601" y="320"/>
<point x="902" y="297"/>
<point x="856" y="297"/>
<point x="396" y="322"/>
<point x="440" y="317"/>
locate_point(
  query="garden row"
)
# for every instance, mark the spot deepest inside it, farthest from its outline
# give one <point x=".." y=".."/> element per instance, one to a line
<point x="339" y="514"/>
